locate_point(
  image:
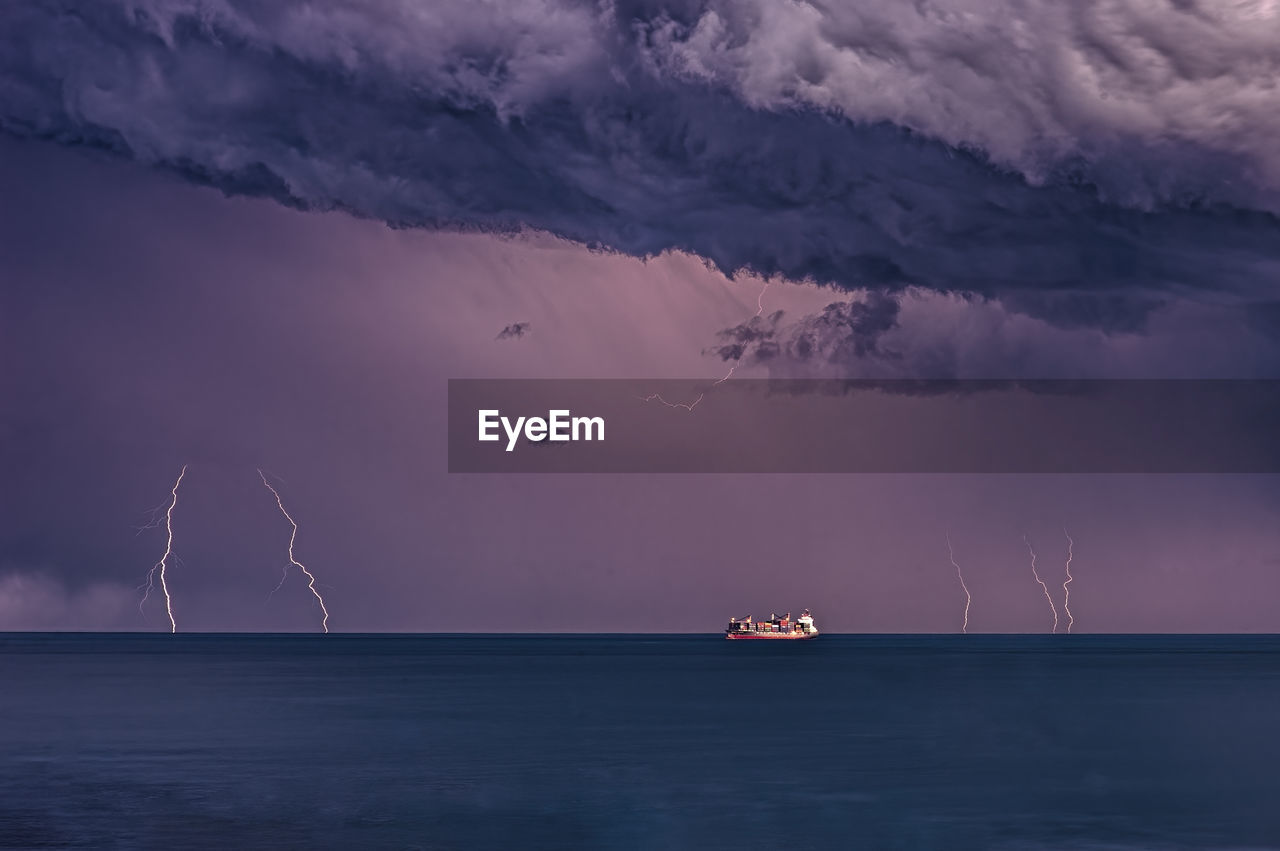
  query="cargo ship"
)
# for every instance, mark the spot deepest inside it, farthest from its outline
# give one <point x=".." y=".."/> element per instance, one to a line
<point x="775" y="627"/>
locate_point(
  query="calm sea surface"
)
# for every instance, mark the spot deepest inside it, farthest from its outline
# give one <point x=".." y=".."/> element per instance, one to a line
<point x="639" y="742"/>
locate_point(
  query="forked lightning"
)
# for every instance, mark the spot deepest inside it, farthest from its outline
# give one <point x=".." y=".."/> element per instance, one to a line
<point x="159" y="568"/>
<point x="293" y="536"/>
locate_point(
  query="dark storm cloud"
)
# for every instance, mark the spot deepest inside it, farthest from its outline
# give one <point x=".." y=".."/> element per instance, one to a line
<point x="1084" y="163"/>
<point x="842" y="333"/>
<point x="514" y="331"/>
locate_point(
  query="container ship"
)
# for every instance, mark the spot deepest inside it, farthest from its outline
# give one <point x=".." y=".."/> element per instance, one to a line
<point x="774" y="628"/>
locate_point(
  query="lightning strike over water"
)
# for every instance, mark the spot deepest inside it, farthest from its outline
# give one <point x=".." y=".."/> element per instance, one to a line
<point x="1066" y="590"/>
<point x="968" y="598"/>
<point x="689" y="406"/>
<point x="1044" y="587"/>
<point x="311" y="579"/>
<point x="159" y="569"/>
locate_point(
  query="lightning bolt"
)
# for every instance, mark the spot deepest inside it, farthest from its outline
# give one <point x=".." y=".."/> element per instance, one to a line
<point x="689" y="406"/>
<point x="159" y="568"/>
<point x="1052" y="607"/>
<point x="154" y="518"/>
<point x="968" y="598"/>
<point x="311" y="579"/>
<point x="1066" y="591"/>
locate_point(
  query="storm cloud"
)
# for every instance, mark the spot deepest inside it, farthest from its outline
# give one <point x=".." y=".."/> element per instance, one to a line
<point x="1084" y="165"/>
<point x="843" y="332"/>
<point x="152" y="324"/>
<point x="514" y="331"/>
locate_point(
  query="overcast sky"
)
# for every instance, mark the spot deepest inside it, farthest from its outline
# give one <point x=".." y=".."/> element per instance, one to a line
<point x="242" y="235"/>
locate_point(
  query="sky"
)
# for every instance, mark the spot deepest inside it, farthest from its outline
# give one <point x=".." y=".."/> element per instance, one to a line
<point x="239" y="236"/>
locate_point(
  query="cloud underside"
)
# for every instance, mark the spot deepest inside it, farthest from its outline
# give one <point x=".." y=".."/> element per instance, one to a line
<point x="514" y="331"/>
<point x="1083" y="166"/>
<point x="920" y="334"/>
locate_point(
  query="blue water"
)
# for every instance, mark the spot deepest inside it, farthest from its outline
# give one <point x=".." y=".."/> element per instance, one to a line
<point x="639" y="742"/>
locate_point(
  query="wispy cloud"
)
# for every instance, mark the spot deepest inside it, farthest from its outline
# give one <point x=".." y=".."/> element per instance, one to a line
<point x="514" y="331"/>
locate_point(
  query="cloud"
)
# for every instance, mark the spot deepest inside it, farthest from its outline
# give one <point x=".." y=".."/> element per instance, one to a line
<point x="514" y="331"/>
<point x="1148" y="100"/>
<point x="920" y="334"/>
<point x="843" y="332"/>
<point x="32" y="601"/>
<point x="1086" y="164"/>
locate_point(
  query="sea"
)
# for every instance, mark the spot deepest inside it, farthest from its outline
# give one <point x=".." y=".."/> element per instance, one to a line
<point x="237" y="742"/>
